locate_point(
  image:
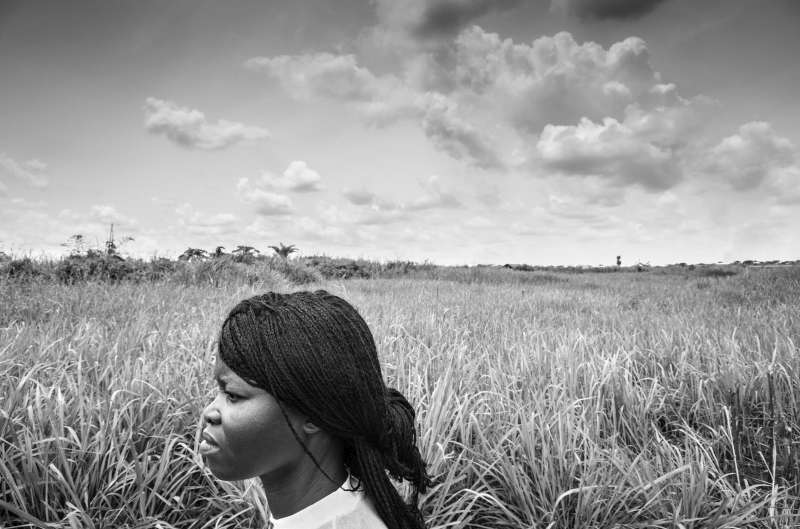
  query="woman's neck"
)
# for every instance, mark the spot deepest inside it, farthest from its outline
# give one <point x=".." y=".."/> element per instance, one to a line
<point x="306" y="485"/>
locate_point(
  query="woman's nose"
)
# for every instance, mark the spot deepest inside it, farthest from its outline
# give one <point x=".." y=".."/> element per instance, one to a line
<point x="211" y="413"/>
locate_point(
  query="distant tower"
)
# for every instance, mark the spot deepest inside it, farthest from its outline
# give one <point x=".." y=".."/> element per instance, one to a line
<point x="619" y="260"/>
<point x="111" y="247"/>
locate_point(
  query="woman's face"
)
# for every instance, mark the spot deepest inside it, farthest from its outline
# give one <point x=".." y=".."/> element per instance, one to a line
<point x="245" y="432"/>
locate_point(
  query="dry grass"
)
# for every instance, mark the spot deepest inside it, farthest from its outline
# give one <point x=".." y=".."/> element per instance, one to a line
<point x="591" y="401"/>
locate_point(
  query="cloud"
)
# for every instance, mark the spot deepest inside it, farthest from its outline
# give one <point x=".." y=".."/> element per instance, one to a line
<point x="753" y="156"/>
<point x="786" y="186"/>
<point x="555" y="80"/>
<point x="448" y="17"/>
<point x="314" y="230"/>
<point x="198" y="223"/>
<point x="30" y="171"/>
<point x="611" y="150"/>
<point x="373" y="210"/>
<point x="381" y="100"/>
<point x="109" y="215"/>
<point x="605" y="9"/>
<point x="379" y="211"/>
<point x="649" y="148"/>
<point x="487" y="101"/>
<point x="434" y="197"/>
<point x="410" y="24"/>
<point x="266" y="203"/>
<point x="298" y="177"/>
<point x="449" y="132"/>
<point x="322" y="75"/>
<point x="360" y="197"/>
<point x="190" y="129"/>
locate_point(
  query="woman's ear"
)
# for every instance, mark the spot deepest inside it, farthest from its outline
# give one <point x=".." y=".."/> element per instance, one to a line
<point x="309" y="428"/>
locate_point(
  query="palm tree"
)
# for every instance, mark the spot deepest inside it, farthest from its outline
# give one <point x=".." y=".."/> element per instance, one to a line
<point x="193" y="254"/>
<point x="284" y="251"/>
<point x="244" y="254"/>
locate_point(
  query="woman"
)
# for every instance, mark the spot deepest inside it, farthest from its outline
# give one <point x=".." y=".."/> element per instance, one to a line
<point x="303" y="406"/>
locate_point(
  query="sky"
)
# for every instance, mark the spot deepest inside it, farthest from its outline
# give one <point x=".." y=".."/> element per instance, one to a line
<point x="453" y="131"/>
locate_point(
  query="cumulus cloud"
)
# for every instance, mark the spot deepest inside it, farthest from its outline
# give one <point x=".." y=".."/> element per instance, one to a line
<point x="756" y="154"/>
<point x="298" y="177"/>
<point x="555" y="80"/>
<point x="189" y="128"/>
<point x="266" y="203"/>
<point x="495" y="104"/>
<point x="605" y="9"/>
<point x="611" y="150"/>
<point x="31" y="171"/>
<point x="648" y="147"/>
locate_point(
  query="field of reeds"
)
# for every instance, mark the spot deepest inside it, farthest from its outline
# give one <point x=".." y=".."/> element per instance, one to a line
<point x="661" y="399"/>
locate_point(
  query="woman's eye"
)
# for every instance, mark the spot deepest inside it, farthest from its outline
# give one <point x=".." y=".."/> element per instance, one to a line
<point x="231" y="397"/>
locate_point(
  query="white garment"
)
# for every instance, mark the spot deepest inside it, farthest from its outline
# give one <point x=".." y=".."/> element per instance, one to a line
<point x="341" y="509"/>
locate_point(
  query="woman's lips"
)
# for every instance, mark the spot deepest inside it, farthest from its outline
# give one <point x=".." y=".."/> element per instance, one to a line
<point x="208" y="444"/>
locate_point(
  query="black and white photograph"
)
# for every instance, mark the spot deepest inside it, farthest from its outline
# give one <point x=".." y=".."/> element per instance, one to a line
<point x="399" y="264"/>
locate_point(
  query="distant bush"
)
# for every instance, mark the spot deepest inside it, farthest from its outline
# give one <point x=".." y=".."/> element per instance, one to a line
<point x="295" y="271"/>
<point x="94" y="267"/>
<point x="157" y="269"/>
<point x="21" y="269"/>
<point x="715" y="271"/>
<point x="340" y="268"/>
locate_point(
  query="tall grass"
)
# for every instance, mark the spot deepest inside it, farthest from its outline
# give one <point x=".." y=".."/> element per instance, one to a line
<point x="592" y="401"/>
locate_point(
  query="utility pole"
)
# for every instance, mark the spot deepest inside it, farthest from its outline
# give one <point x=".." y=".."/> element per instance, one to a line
<point x="111" y="248"/>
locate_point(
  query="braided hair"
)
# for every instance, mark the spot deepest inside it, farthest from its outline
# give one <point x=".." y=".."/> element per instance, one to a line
<point x="314" y="352"/>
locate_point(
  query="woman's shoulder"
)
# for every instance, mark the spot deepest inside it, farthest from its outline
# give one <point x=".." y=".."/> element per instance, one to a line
<point x="363" y="516"/>
<point x="348" y="507"/>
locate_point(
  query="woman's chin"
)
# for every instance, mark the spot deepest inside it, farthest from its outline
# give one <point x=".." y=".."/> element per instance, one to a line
<point x="220" y="471"/>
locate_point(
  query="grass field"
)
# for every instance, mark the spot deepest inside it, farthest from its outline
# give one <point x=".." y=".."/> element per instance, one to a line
<point x="544" y="400"/>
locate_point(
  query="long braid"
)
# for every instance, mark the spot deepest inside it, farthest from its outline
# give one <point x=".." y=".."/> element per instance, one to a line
<point x="315" y="353"/>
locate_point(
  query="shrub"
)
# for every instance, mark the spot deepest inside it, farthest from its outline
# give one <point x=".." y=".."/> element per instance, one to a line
<point x="157" y="269"/>
<point x="21" y="269"/>
<point x="296" y="272"/>
<point x="337" y="268"/>
<point x="715" y="271"/>
<point x="94" y="266"/>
